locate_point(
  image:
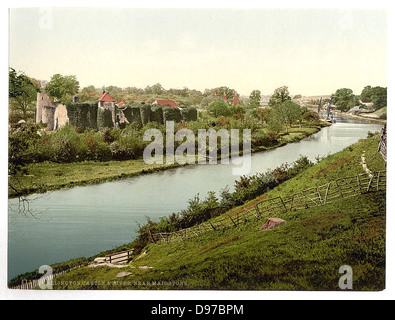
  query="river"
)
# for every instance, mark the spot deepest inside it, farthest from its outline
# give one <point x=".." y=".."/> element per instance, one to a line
<point x="84" y="221"/>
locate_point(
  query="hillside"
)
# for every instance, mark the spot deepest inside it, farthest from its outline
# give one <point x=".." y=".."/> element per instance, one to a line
<point x="305" y="253"/>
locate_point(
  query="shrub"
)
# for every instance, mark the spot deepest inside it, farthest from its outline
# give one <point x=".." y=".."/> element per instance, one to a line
<point x="97" y="149"/>
<point x="222" y="122"/>
<point x="22" y="144"/>
<point x="218" y="108"/>
<point x="311" y="116"/>
<point x="67" y="145"/>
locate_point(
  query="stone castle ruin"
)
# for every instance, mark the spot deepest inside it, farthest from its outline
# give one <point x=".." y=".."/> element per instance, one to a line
<point x="105" y="113"/>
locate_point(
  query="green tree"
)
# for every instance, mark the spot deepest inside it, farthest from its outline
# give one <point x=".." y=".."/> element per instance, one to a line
<point x="62" y="88"/>
<point x="285" y="113"/>
<point x="377" y="95"/>
<point x="344" y="99"/>
<point x="218" y="108"/>
<point x="263" y="114"/>
<point x="22" y="92"/>
<point x="279" y="96"/>
<point x="255" y="99"/>
<point x="221" y="91"/>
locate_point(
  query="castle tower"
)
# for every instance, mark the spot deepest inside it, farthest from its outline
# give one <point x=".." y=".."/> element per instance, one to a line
<point x="43" y="100"/>
<point x="107" y="103"/>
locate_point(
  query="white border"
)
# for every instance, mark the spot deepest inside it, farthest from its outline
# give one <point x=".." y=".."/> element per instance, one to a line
<point x="188" y="295"/>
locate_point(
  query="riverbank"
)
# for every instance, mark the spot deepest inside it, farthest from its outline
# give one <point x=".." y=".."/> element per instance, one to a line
<point x="51" y="176"/>
<point x="363" y="119"/>
<point x="303" y="254"/>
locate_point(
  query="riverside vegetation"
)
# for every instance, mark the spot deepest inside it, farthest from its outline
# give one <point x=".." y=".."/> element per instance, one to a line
<point x="41" y="161"/>
<point x="303" y="254"/>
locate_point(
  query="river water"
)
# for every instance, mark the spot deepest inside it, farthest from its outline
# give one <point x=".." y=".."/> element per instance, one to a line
<point x="84" y="221"/>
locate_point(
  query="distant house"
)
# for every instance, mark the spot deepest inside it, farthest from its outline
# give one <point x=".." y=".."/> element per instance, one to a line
<point x="163" y="103"/>
<point x="106" y="102"/>
<point x="236" y="100"/>
<point x="225" y="98"/>
<point x="121" y="103"/>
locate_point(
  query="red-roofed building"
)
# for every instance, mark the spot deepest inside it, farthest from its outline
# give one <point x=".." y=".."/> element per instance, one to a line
<point x="106" y="102"/>
<point x="105" y="97"/>
<point x="236" y="100"/>
<point x="225" y="98"/>
<point x="121" y="103"/>
<point x="163" y="103"/>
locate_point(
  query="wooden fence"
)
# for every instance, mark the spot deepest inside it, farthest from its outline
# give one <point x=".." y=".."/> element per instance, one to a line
<point x="32" y="284"/>
<point x="316" y="196"/>
<point x="120" y="257"/>
<point x="117" y="257"/>
<point x="383" y="143"/>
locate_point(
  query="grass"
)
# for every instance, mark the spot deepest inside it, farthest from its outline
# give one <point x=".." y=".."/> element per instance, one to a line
<point x="305" y="253"/>
<point x="49" y="176"/>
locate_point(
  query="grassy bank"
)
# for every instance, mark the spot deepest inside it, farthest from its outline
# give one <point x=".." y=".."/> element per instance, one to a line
<point x="50" y="176"/>
<point x="303" y="254"/>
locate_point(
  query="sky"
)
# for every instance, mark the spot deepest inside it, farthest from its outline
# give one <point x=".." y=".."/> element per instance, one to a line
<point x="312" y="51"/>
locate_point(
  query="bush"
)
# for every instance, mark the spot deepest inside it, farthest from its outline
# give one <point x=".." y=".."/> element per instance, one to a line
<point x="311" y="116"/>
<point x="67" y="145"/>
<point x="130" y="145"/>
<point x="218" y="108"/>
<point x="97" y="149"/>
<point x="22" y="144"/>
<point x="222" y="122"/>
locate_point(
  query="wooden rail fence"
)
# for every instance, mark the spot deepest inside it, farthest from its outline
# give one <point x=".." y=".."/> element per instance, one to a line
<point x="32" y="284"/>
<point x="120" y="257"/>
<point x="117" y="257"/>
<point x="338" y="189"/>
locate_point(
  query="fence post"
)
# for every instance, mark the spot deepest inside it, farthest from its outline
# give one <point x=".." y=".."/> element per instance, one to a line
<point x="232" y="220"/>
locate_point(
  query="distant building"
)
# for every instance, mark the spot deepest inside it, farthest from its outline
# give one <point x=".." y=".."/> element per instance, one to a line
<point x="121" y="103"/>
<point x="225" y="98"/>
<point x="163" y="103"/>
<point x="236" y="100"/>
<point x="106" y="102"/>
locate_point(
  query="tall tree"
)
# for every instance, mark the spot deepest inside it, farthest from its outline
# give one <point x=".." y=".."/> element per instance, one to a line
<point x="344" y="99"/>
<point x="22" y="92"/>
<point x="285" y="113"/>
<point x="377" y="95"/>
<point x="255" y="99"/>
<point x="62" y="88"/>
<point x="279" y="96"/>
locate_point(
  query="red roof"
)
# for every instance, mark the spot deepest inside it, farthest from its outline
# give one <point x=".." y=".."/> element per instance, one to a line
<point x="236" y="100"/>
<point x="225" y="98"/>
<point x="105" y="96"/>
<point x="162" y="103"/>
<point x="121" y="103"/>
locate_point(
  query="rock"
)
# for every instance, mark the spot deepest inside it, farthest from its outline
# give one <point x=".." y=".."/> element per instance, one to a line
<point x="100" y="260"/>
<point x="123" y="274"/>
<point x="272" y="223"/>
